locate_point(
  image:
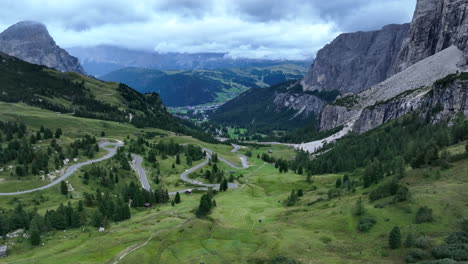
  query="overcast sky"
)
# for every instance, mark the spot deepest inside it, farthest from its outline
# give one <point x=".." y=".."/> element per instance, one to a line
<point x="289" y="29"/>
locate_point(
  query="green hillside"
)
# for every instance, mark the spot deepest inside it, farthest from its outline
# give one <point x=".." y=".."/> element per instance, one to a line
<point x="195" y="87"/>
<point x="329" y="218"/>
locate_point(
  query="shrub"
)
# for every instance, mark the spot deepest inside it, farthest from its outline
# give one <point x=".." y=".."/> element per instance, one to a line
<point x="423" y="215"/>
<point x="283" y="260"/>
<point x="366" y="223"/>
<point x="385" y="190"/>
<point x="402" y="194"/>
<point x="457" y="238"/>
<point x="415" y="255"/>
<point x="422" y="242"/>
<point x="458" y="252"/>
<point x="440" y="261"/>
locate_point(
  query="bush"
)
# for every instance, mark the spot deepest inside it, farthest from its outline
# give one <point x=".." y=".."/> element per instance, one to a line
<point x="366" y="223"/>
<point x="457" y="238"/>
<point x="422" y="242"/>
<point x="402" y="194"/>
<point x="424" y="215"/>
<point x="415" y="255"/>
<point x="440" y="261"/>
<point x="283" y="260"/>
<point x="458" y="252"/>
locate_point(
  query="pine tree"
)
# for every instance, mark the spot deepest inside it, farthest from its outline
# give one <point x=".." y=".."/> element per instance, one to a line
<point x="300" y="171"/>
<point x="409" y="242"/>
<point x="58" y="133"/>
<point x="394" y="238"/>
<point x="177" y="198"/>
<point x="177" y="160"/>
<point x="97" y="219"/>
<point x="63" y="188"/>
<point x="35" y="230"/>
<point x="338" y="183"/>
<point x="172" y="203"/>
<point x="359" y="208"/>
<point x="300" y="193"/>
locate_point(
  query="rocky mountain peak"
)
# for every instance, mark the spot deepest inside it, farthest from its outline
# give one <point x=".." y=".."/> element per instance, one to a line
<point x="354" y="62"/>
<point x="436" y="25"/>
<point x="27" y="31"/>
<point x="30" y="41"/>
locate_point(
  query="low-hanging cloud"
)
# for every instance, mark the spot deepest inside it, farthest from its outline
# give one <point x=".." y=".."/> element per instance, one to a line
<point x="293" y="29"/>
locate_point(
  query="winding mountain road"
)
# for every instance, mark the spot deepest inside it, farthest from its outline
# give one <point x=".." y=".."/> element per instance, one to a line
<point x="109" y="146"/>
<point x="137" y="166"/>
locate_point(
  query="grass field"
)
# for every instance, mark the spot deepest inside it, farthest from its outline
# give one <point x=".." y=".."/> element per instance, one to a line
<point x="250" y="224"/>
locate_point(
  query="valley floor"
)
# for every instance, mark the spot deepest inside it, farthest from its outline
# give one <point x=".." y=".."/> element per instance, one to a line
<point x="250" y="224"/>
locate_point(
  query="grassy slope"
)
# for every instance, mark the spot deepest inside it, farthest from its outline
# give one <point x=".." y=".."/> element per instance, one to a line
<point x="322" y="233"/>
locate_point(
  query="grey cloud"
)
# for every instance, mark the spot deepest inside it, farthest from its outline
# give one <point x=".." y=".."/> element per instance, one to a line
<point x="290" y="29"/>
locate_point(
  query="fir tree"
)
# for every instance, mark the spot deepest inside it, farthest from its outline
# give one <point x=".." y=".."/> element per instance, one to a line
<point x="63" y="188"/>
<point x="394" y="238"/>
<point x="359" y="208"/>
<point x="177" y="198"/>
<point x="409" y="242"/>
<point x="35" y="231"/>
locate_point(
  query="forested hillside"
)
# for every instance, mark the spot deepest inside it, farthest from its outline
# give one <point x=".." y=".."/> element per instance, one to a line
<point x="195" y="87"/>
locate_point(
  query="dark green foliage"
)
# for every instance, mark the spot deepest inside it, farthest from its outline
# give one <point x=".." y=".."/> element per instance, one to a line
<point x="292" y="199"/>
<point x="402" y="194"/>
<point x="359" y="208"/>
<point x="384" y="190"/>
<point x="422" y="242"/>
<point x="177" y="198"/>
<point x="415" y="255"/>
<point x="366" y="223"/>
<point x="37" y="224"/>
<point x="457" y="238"/>
<point x="409" y="242"/>
<point x="394" y="238"/>
<point x="255" y="110"/>
<point x="63" y="188"/>
<point x="206" y="204"/>
<point x="338" y="183"/>
<point x="300" y="193"/>
<point x="384" y="150"/>
<point x="223" y="186"/>
<point x="283" y="260"/>
<point x="458" y="252"/>
<point x="424" y="215"/>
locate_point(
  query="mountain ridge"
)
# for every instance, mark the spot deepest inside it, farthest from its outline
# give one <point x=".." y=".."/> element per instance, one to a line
<point x="30" y="41"/>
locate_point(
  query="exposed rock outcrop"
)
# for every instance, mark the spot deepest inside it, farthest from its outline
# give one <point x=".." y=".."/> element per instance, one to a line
<point x="441" y="102"/>
<point x="354" y="62"/>
<point x="305" y="105"/>
<point x="31" y="42"/>
<point x="436" y="25"/>
<point x="402" y="85"/>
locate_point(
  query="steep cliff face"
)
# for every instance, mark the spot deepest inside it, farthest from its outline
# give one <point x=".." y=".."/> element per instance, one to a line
<point x="436" y="25"/>
<point x="435" y="46"/>
<point x="354" y="62"/>
<point x="443" y="102"/>
<point x="31" y="42"/>
<point x="421" y="74"/>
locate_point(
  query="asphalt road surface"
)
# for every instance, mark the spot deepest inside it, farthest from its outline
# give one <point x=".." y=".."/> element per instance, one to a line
<point x="109" y="146"/>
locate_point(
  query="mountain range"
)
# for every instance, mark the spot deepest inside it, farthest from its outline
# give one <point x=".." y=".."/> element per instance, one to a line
<point x="195" y="87"/>
<point x="101" y="60"/>
<point x="380" y="75"/>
